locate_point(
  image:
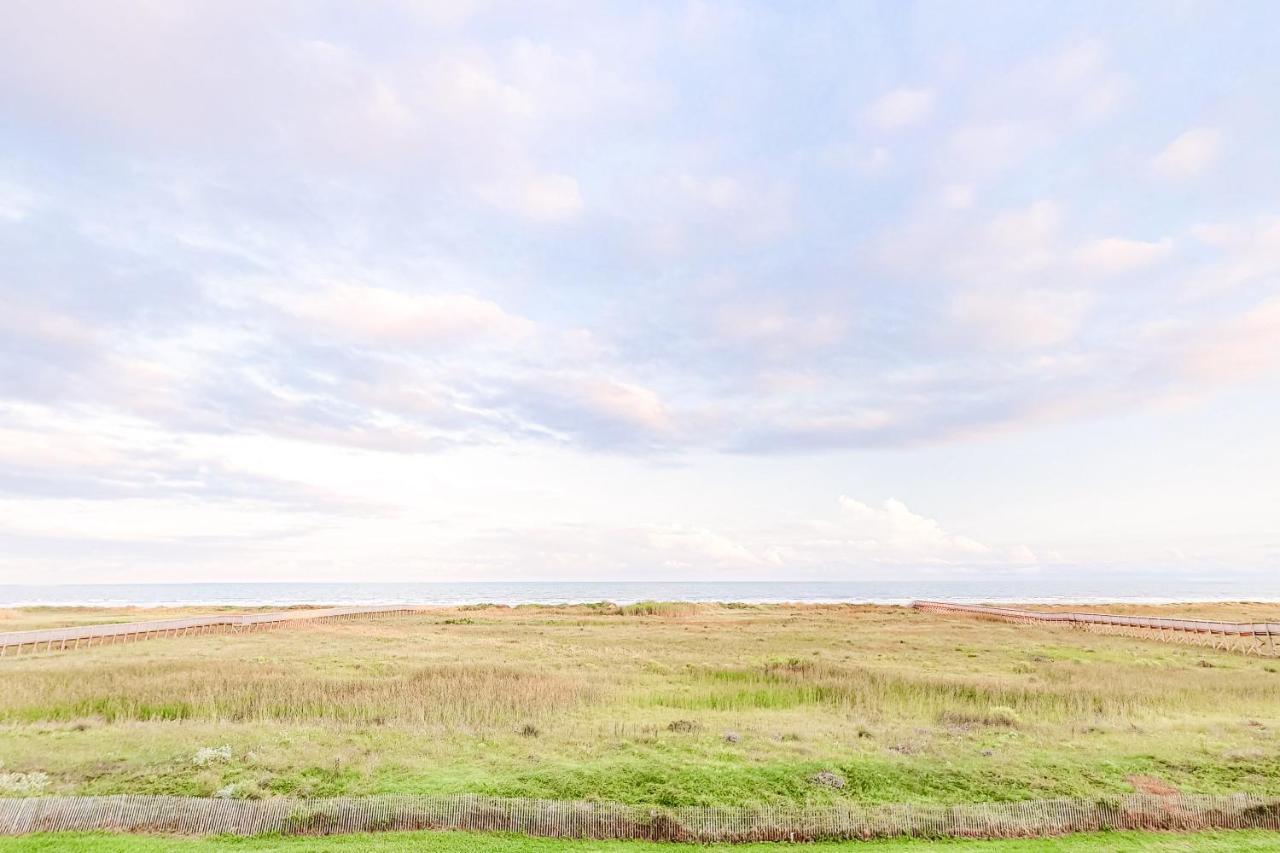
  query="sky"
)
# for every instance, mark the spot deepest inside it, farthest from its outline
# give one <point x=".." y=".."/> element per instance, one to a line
<point x="655" y="290"/>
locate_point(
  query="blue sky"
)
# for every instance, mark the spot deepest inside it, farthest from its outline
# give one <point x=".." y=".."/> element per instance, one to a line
<point x="456" y="291"/>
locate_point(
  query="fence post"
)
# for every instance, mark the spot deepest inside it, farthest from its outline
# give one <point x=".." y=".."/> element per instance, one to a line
<point x="1037" y="818"/>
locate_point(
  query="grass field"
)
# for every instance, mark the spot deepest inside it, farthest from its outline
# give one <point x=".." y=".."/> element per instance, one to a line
<point x="452" y="842"/>
<point x="653" y="704"/>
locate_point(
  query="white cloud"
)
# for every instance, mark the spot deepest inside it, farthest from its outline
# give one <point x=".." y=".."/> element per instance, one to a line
<point x="900" y="108"/>
<point x="957" y="196"/>
<point x="22" y="317"/>
<point x="16" y="203"/>
<point x="866" y="161"/>
<point x="1021" y="318"/>
<point x="1080" y="82"/>
<point x="894" y="527"/>
<point x="686" y="211"/>
<point x="779" y="328"/>
<point x="367" y="207"/>
<point x="632" y="404"/>
<point x="1250" y="253"/>
<point x="892" y="534"/>
<point x="381" y="316"/>
<point x="853" y="541"/>
<point x="695" y="548"/>
<point x="546" y="198"/>
<point x="149" y="520"/>
<point x="56" y="450"/>
<point x="961" y="247"/>
<point x="718" y="192"/>
<point x="1033" y="240"/>
<point x="1245" y="348"/>
<point x="991" y="146"/>
<point x="1114" y="255"/>
<point x="1016" y="279"/>
<point x="874" y="162"/>
<point x="1076" y="64"/>
<point x="1189" y="154"/>
<point x="1018" y="241"/>
<point x="1027" y="109"/>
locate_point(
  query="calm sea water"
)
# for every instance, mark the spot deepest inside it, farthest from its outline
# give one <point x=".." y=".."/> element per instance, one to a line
<point x="1023" y="589"/>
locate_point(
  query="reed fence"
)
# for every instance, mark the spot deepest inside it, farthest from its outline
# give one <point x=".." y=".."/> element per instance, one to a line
<point x="1255" y="638"/>
<point x="14" y="643"/>
<point x="560" y="819"/>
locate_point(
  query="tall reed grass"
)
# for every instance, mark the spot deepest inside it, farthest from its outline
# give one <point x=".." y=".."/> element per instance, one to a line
<point x="456" y="695"/>
<point x="912" y="694"/>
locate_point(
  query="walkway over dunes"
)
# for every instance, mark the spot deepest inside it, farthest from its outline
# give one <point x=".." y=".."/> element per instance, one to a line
<point x="85" y="636"/>
<point x="1258" y="638"/>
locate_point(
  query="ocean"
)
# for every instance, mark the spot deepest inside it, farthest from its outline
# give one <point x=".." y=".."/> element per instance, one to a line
<point x="1022" y="588"/>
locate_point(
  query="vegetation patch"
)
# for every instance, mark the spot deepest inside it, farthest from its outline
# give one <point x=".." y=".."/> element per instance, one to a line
<point x="659" y="608"/>
<point x="699" y="705"/>
<point x="460" y="842"/>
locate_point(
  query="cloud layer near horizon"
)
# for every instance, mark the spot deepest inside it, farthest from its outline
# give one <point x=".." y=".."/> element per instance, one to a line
<point x="251" y="251"/>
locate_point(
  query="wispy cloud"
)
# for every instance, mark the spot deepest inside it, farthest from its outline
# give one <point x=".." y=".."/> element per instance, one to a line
<point x="1188" y="155"/>
<point x="442" y="241"/>
<point x="900" y="108"/>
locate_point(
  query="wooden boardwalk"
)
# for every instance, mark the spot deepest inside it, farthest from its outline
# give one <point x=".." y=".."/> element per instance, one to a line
<point x="88" y="636"/>
<point x="1255" y="638"/>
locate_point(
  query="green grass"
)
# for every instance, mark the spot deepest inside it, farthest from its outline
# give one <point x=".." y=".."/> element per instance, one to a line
<point x="449" y="842"/>
<point x="658" y="608"/>
<point x="580" y="702"/>
<point x="176" y="690"/>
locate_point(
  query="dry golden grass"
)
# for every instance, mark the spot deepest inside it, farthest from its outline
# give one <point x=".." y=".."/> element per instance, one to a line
<point x="32" y="618"/>
<point x="489" y="666"/>
<point x="235" y="691"/>
<point x="580" y="701"/>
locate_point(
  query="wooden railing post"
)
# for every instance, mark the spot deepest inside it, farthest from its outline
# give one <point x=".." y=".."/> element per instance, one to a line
<point x="1228" y="636"/>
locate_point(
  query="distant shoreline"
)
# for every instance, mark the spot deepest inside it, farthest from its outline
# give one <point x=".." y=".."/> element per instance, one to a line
<point x="1021" y="589"/>
<point x="446" y="605"/>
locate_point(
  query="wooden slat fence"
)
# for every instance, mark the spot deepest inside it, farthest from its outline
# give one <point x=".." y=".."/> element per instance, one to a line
<point x="86" y="636"/>
<point x="561" y="819"/>
<point x="1258" y="638"/>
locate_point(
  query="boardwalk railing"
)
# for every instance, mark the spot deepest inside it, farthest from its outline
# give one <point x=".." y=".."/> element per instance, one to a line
<point x="559" y="819"/>
<point x="1259" y="638"/>
<point x="85" y="636"/>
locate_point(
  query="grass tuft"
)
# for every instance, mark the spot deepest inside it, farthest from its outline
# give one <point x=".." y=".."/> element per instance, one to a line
<point x="572" y="702"/>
